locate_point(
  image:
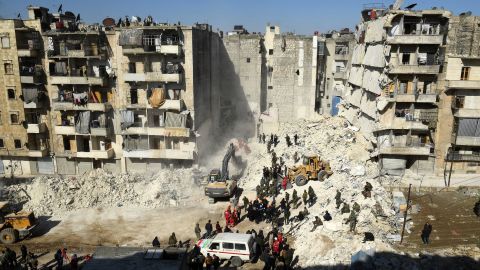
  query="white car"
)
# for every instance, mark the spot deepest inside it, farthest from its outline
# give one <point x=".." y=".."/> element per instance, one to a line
<point x="235" y="247"/>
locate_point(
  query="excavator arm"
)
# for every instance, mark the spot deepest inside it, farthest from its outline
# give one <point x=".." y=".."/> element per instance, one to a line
<point x="230" y="153"/>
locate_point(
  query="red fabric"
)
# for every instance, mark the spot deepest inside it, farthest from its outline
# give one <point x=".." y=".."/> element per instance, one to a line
<point x="280" y="237"/>
<point x="227" y="215"/>
<point x="284" y="183"/>
<point x="276" y="246"/>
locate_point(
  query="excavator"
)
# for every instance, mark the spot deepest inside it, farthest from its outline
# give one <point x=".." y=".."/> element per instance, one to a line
<point x="219" y="185"/>
<point x="313" y="168"/>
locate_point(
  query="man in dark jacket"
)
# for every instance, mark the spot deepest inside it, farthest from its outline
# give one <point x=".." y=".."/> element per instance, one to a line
<point x="208" y="228"/>
<point x="427" y="230"/>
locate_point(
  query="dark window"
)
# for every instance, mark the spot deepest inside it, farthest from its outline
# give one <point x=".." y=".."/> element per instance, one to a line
<point x="465" y="73"/>
<point x="18" y="143"/>
<point x="132" y="68"/>
<point x="270" y="87"/>
<point x="240" y="247"/>
<point x="215" y="246"/>
<point x="8" y="66"/>
<point x="270" y="51"/>
<point x="11" y="93"/>
<point x="2" y="145"/>
<point x="406" y="59"/>
<point x="66" y="143"/>
<point x="13" y="118"/>
<point x="227" y="245"/>
<point x="248" y="60"/>
<point x="133" y="96"/>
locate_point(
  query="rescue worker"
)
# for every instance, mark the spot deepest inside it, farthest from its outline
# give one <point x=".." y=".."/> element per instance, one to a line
<point x="287" y="139"/>
<point x="352" y="219"/>
<point x="172" y="241"/>
<point x="305" y="197"/>
<point x="227" y="214"/>
<point x="311" y="196"/>
<point x="295" y="139"/>
<point x="284" y="182"/>
<point x="345" y="208"/>
<point x="295" y="199"/>
<point x="338" y="199"/>
<point x="317" y="222"/>
<point x="198" y="231"/>
<point x="208" y="228"/>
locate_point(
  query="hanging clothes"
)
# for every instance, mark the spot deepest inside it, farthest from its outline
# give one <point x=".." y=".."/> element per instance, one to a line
<point x="82" y="122"/>
<point x="30" y="95"/>
<point x="80" y="98"/>
<point x="157" y="97"/>
<point x="126" y="119"/>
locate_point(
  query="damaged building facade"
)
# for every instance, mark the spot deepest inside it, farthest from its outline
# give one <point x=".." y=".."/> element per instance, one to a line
<point x="396" y="77"/>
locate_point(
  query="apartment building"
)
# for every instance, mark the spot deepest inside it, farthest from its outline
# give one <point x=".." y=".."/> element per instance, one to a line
<point x="458" y="145"/>
<point x="24" y="113"/>
<point x="338" y="54"/>
<point x="396" y="75"/>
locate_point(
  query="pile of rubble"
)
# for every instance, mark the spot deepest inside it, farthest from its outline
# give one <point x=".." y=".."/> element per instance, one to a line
<point x="48" y="195"/>
<point x="348" y="152"/>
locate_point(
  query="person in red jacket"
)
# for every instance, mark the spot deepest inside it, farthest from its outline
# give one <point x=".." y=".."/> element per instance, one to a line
<point x="284" y="182"/>
<point x="228" y="215"/>
<point x="276" y="247"/>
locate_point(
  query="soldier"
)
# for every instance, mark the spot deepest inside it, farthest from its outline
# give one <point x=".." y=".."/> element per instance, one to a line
<point x="345" y="208"/>
<point x="352" y="219"/>
<point x="287" y="139"/>
<point x="295" y="197"/>
<point x="263" y="137"/>
<point x="295" y="157"/>
<point x="197" y="232"/>
<point x="317" y="222"/>
<point x="367" y="190"/>
<point x="286" y="215"/>
<point x="269" y="146"/>
<point x="338" y="199"/>
<point x="274" y="158"/>
<point x="311" y="196"/>
<point x="305" y="197"/>
<point x="295" y="139"/>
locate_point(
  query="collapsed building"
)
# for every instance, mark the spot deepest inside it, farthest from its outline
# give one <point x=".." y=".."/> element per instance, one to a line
<point x="396" y="77"/>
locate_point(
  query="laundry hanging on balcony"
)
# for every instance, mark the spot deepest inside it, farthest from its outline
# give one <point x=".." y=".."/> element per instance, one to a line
<point x="30" y="95"/>
<point x="80" y="98"/>
<point x="126" y="119"/>
<point x="82" y="122"/>
<point x="175" y="119"/>
<point x="157" y="98"/>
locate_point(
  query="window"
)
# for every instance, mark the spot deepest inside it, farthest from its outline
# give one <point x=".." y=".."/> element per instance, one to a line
<point x="5" y="42"/>
<point x="240" y="247"/>
<point x="406" y="59"/>
<point x="215" y="246"/>
<point x="248" y="59"/>
<point x="2" y="145"/>
<point x="465" y="73"/>
<point x="270" y="51"/>
<point x="227" y="245"/>
<point x="11" y="93"/>
<point x="8" y="66"/>
<point x="18" y="143"/>
<point x="133" y="96"/>
<point x="1" y="118"/>
<point x="132" y="67"/>
<point x="14" y="118"/>
<point x="270" y="87"/>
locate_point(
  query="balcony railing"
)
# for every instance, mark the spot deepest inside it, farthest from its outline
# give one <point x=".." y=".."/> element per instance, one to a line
<point x="457" y="156"/>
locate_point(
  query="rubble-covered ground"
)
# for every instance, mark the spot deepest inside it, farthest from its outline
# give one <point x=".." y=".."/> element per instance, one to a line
<point x="113" y="207"/>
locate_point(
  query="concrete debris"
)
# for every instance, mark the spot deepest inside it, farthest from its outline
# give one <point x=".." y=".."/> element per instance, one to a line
<point x="48" y="195"/>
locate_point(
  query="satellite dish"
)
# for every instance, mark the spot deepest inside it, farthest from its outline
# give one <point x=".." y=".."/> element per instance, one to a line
<point x="108" y="22"/>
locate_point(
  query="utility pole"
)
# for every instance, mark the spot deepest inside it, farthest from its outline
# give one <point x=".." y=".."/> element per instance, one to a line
<point x="406" y="210"/>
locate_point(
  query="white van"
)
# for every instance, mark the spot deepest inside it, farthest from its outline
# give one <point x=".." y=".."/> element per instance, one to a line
<point x="236" y="247"/>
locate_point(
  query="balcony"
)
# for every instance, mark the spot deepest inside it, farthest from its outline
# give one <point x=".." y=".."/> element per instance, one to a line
<point x="401" y="123"/>
<point x="416" y="39"/>
<point x="100" y="131"/>
<point x="85" y="53"/>
<point x="466" y="113"/>
<point x="339" y="75"/>
<point x="170" y="104"/>
<point x="168" y="131"/>
<point x="31" y="79"/>
<point x="422" y="98"/>
<point x="152" y="77"/>
<point x="27" y="52"/>
<point x="164" y="49"/>
<point x="36" y="128"/>
<point x="38" y="153"/>
<point x="463" y="84"/>
<point x="70" y="106"/>
<point x="468" y="141"/>
<point x="414" y="69"/>
<point x="64" y="130"/>
<point x="55" y="79"/>
<point x="463" y="157"/>
<point x="342" y="57"/>
<point x="412" y="150"/>
<point x="160" y="153"/>
<point x="96" y="154"/>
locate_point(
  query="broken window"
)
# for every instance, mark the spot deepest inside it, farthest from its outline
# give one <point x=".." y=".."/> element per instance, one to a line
<point x="270" y="87"/>
<point x="132" y="67"/>
<point x="406" y="59"/>
<point x="248" y="59"/>
<point x="270" y="51"/>
<point x="8" y="67"/>
<point x="459" y="102"/>
<point x="2" y="144"/>
<point x="341" y="49"/>
<point x="11" y="93"/>
<point x="465" y="73"/>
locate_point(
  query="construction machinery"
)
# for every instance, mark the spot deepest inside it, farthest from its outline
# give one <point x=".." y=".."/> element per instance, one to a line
<point x="15" y="225"/>
<point x="313" y="168"/>
<point x="219" y="185"/>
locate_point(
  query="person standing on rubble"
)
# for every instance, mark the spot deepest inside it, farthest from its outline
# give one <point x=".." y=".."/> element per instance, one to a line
<point x="295" y="139"/>
<point x="311" y="196"/>
<point x="263" y="138"/>
<point x="284" y="182"/>
<point x="269" y="146"/>
<point x="352" y="219"/>
<point x="305" y="197"/>
<point x="427" y="230"/>
<point x="317" y="222"/>
<point x="198" y="231"/>
<point x="208" y="228"/>
<point x="286" y="215"/>
<point x="287" y="139"/>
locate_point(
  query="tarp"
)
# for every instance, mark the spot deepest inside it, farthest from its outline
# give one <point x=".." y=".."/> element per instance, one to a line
<point x="157" y="98"/>
<point x="82" y="122"/>
<point x="374" y="56"/>
<point x="126" y="119"/>
<point x="130" y="37"/>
